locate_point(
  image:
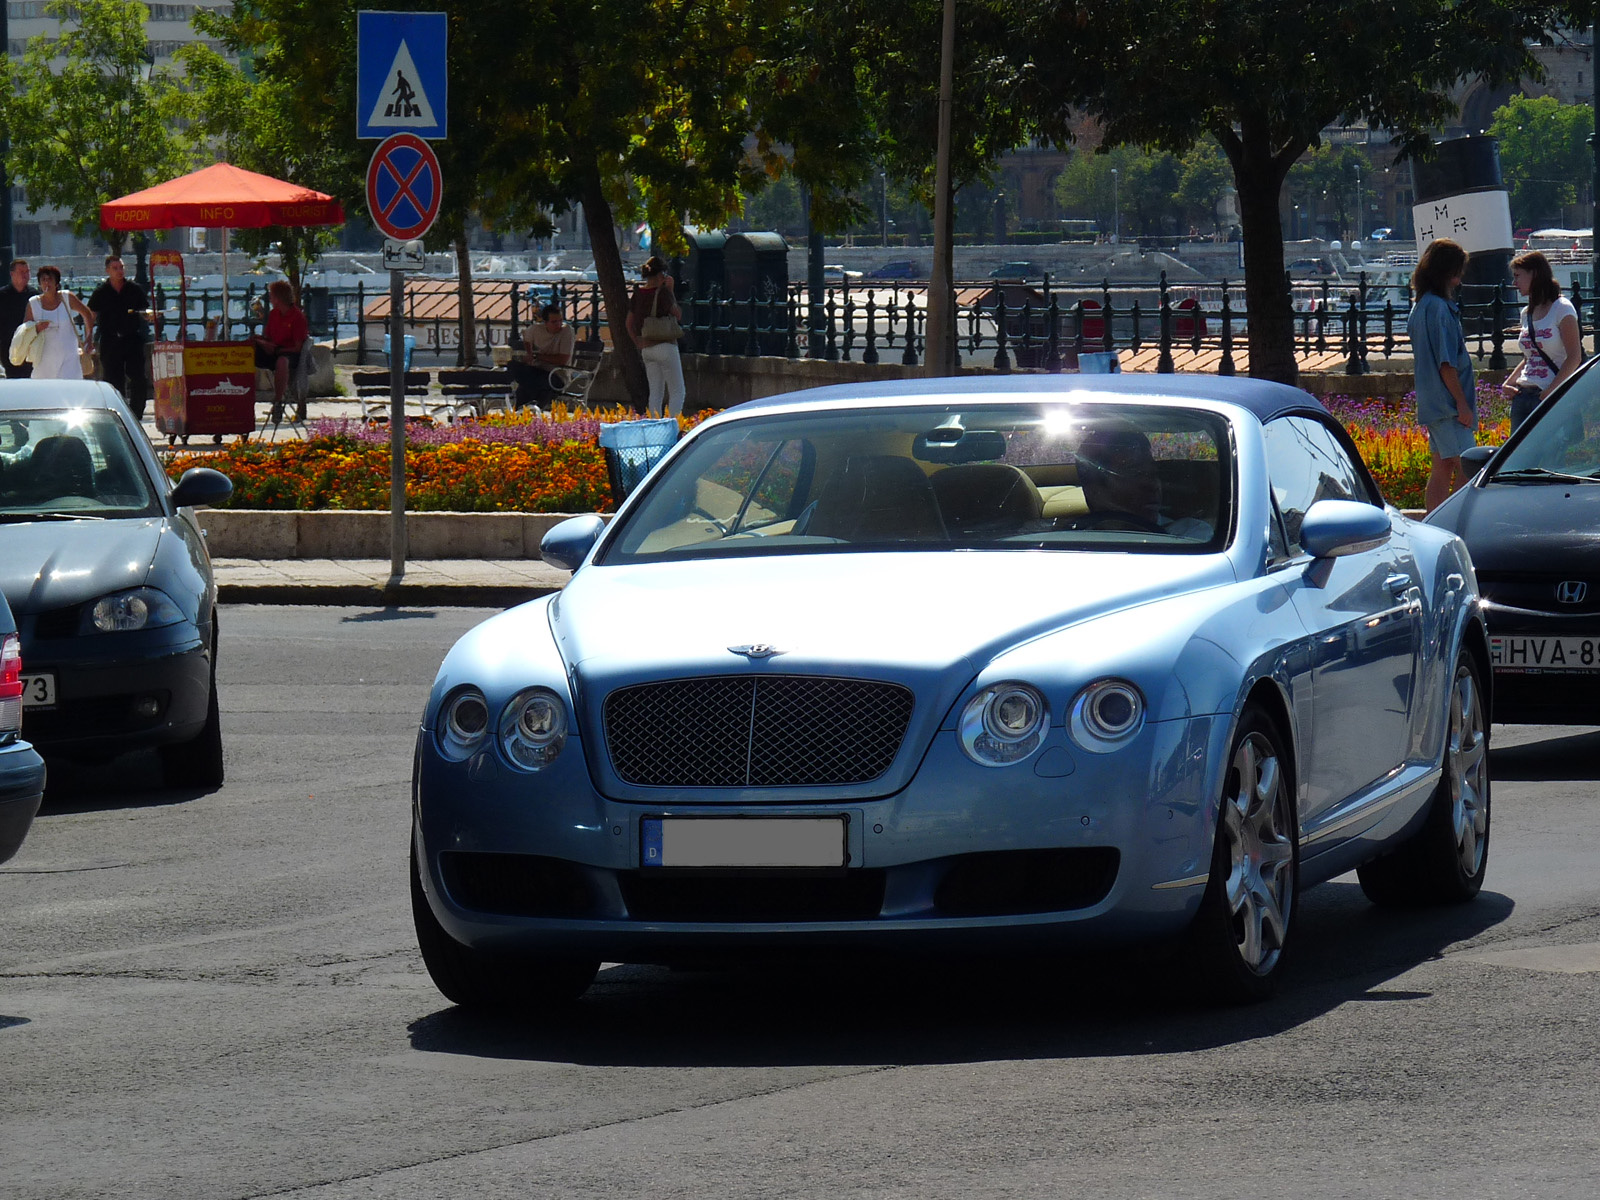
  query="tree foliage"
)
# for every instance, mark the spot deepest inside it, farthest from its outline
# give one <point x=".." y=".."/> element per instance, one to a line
<point x="1158" y="192"/>
<point x="84" y="123"/>
<point x="1544" y="155"/>
<point x="1264" y="78"/>
<point x="1328" y="182"/>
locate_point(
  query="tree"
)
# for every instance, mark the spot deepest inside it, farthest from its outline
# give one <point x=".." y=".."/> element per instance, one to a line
<point x="1264" y="78"/>
<point x="1543" y="155"/>
<point x="1203" y="175"/>
<point x="85" y="124"/>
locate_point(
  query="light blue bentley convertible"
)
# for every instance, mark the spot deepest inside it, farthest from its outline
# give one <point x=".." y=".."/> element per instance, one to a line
<point x="960" y="665"/>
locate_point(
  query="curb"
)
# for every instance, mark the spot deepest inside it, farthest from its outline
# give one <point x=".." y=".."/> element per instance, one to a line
<point x="404" y="595"/>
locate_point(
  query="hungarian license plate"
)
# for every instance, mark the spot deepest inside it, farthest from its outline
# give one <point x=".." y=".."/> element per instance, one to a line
<point x="744" y="842"/>
<point x="1534" y="655"/>
<point x="38" y="691"/>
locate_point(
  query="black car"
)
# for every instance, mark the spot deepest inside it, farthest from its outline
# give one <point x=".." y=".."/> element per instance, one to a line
<point x="107" y="574"/>
<point x="21" y="768"/>
<point x="1531" y="520"/>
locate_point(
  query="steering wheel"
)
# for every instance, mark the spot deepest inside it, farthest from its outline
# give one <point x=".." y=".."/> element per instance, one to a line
<point x="1116" y="518"/>
<point x="697" y="511"/>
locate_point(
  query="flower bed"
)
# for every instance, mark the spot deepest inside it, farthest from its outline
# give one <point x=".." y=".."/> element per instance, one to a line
<point x="516" y="462"/>
<point x="510" y="462"/>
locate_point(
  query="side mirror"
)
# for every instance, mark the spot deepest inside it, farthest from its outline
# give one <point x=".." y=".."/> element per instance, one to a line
<point x="1334" y="528"/>
<point x="569" y="543"/>
<point x="1475" y="459"/>
<point x="201" y="486"/>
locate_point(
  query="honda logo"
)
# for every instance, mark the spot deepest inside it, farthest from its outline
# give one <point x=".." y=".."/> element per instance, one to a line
<point x="1571" y="591"/>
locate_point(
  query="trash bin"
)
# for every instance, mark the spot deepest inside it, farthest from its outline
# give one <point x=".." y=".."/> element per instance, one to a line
<point x="633" y="448"/>
<point x="410" y="344"/>
<point x="1102" y="363"/>
<point x="757" y="274"/>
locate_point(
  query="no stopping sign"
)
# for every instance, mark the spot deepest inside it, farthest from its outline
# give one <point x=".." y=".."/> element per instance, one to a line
<point x="404" y="186"/>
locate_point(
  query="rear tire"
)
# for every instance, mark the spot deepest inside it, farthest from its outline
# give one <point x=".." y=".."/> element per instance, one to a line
<point x="1444" y="861"/>
<point x="1235" y="947"/>
<point x="197" y="763"/>
<point x="492" y="982"/>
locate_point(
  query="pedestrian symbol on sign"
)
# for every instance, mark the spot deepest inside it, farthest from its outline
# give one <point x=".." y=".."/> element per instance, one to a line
<point x="404" y="93"/>
<point x="402" y="103"/>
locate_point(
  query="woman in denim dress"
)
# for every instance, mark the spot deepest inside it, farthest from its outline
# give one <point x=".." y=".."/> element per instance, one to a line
<point x="1446" y="394"/>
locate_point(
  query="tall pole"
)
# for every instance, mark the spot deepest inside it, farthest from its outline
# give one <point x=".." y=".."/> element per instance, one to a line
<point x="941" y="341"/>
<point x="1594" y="220"/>
<point x="1116" y="206"/>
<point x="397" y="427"/>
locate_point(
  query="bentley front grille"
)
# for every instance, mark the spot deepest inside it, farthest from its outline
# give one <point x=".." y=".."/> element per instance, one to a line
<point x="755" y="731"/>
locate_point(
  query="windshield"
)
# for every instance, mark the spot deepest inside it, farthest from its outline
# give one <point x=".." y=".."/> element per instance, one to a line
<point x="70" y="463"/>
<point x="1129" y="477"/>
<point x="1563" y="443"/>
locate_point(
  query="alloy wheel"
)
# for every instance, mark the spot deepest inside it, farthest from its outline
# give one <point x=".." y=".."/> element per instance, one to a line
<point x="1468" y="756"/>
<point x="1256" y="820"/>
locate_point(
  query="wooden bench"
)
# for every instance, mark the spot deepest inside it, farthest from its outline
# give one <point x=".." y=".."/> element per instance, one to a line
<point x="477" y="389"/>
<point x="372" y="390"/>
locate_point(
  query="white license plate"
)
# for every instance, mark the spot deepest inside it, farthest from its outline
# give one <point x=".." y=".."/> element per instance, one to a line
<point x="38" y="691"/>
<point x="744" y="842"/>
<point x="1534" y="655"/>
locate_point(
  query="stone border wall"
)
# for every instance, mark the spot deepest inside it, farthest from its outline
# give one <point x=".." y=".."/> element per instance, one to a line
<point x="344" y="533"/>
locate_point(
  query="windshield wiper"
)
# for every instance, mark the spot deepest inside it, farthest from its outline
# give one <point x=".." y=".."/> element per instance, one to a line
<point x="13" y="518"/>
<point x="1539" y="475"/>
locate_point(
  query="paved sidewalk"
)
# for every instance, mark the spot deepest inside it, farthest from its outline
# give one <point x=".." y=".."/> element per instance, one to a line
<point x="468" y="583"/>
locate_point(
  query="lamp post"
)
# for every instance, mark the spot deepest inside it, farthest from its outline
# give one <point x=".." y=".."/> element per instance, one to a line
<point x="1294" y="225"/>
<point x="141" y="242"/>
<point x="1116" y="206"/>
<point x="1594" y="219"/>
<point x="883" y="177"/>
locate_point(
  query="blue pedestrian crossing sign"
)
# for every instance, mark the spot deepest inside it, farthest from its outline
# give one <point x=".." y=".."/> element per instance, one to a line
<point x="402" y="84"/>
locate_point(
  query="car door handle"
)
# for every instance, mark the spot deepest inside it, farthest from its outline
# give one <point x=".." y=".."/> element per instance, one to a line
<point x="1398" y="584"/>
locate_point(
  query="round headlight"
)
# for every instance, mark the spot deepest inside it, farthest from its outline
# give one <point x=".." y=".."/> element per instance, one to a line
<point x="1003" y="724"/>
<point x="115" y="614"/>
<point x="463" y="722"/>
<point x="533" y="728"/>
<point x="1106" y="714"/>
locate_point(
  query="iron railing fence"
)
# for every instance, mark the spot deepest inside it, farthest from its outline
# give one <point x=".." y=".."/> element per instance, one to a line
<point x="1007" y="326"/>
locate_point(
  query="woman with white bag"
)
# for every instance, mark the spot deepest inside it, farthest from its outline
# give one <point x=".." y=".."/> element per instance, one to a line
<point x="653" y="317"/>
<point x="51" y="311"/>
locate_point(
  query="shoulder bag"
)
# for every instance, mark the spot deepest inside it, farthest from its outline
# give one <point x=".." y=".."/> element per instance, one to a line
<point x="660" y="328"/>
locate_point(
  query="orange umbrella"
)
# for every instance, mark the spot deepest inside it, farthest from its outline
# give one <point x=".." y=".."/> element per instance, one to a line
<point x="223" y="197"/>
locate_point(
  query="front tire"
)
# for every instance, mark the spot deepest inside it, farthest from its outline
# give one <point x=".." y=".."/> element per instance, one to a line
<point x="1235" y="946"/>
<point x="1444" y="862"/>
<point x="197" y="763"/>
<point x="478" y="980"/>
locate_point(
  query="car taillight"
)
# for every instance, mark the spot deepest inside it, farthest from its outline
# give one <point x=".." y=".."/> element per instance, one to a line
<point x="10" y="683"/>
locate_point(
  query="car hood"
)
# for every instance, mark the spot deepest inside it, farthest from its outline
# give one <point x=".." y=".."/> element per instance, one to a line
<point x="46" y="565"/>
<point x="891" y="615"/>
<point x="1536" y="528"/>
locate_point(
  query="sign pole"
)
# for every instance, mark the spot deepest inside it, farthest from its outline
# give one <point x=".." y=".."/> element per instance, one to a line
<point x="397" y="427"/>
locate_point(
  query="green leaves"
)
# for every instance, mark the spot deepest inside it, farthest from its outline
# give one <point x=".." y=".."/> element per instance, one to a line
<point x="85" y="125"/>
<point x="1543" y="154"/>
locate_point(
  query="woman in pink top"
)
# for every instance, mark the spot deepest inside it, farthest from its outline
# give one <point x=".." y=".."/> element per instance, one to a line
<point x="1550" y="347"/>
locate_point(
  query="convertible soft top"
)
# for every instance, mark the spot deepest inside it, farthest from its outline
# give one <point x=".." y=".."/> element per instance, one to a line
<point x="1266" y="400"/>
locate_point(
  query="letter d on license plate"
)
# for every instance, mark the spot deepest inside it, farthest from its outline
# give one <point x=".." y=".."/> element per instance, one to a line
<point x="743" y="842"/>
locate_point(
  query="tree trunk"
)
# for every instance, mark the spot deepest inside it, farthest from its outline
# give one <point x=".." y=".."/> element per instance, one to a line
<point x="468" y="350"/>
<point x="1259" y="175"/>
<point x="614" y="289"/>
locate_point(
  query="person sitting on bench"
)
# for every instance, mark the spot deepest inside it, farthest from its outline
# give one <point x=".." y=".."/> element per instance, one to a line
<point x="548" y="345"/>
<point x="279" y="351"/>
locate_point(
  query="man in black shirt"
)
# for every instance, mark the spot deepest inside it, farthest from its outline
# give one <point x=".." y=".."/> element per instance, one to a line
<point x="118" y="306"/>
<point x="14" y="299"/>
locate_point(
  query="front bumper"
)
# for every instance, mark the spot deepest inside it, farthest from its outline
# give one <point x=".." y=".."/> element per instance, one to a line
<point x="1526" y="692"/>
<point x="21" y="792"/>
<point x="1114" y="849"/>
<point x="152" y="692"/>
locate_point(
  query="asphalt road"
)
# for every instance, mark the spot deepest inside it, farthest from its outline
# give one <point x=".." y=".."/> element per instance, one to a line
<point x="218" y="995"/>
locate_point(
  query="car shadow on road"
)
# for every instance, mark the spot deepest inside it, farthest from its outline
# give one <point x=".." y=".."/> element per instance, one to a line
<point x="1574" y="756"/>
<point x="901" y="1013"/>
<point x="131" y="781"/>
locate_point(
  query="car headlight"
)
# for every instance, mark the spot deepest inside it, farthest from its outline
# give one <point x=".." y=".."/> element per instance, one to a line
<point x="463" y="723"/>
<point x="139" y="608"/>
<point x="1105" y="715"/>
<point x="533" y="728"/>
<point x="1003" y="724"/>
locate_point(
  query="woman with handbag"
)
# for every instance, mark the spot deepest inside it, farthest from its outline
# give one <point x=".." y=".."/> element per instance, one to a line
<point x="1551" y="350"/>
<point x="653" y="316"/>
<point x="52" y="311"/>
